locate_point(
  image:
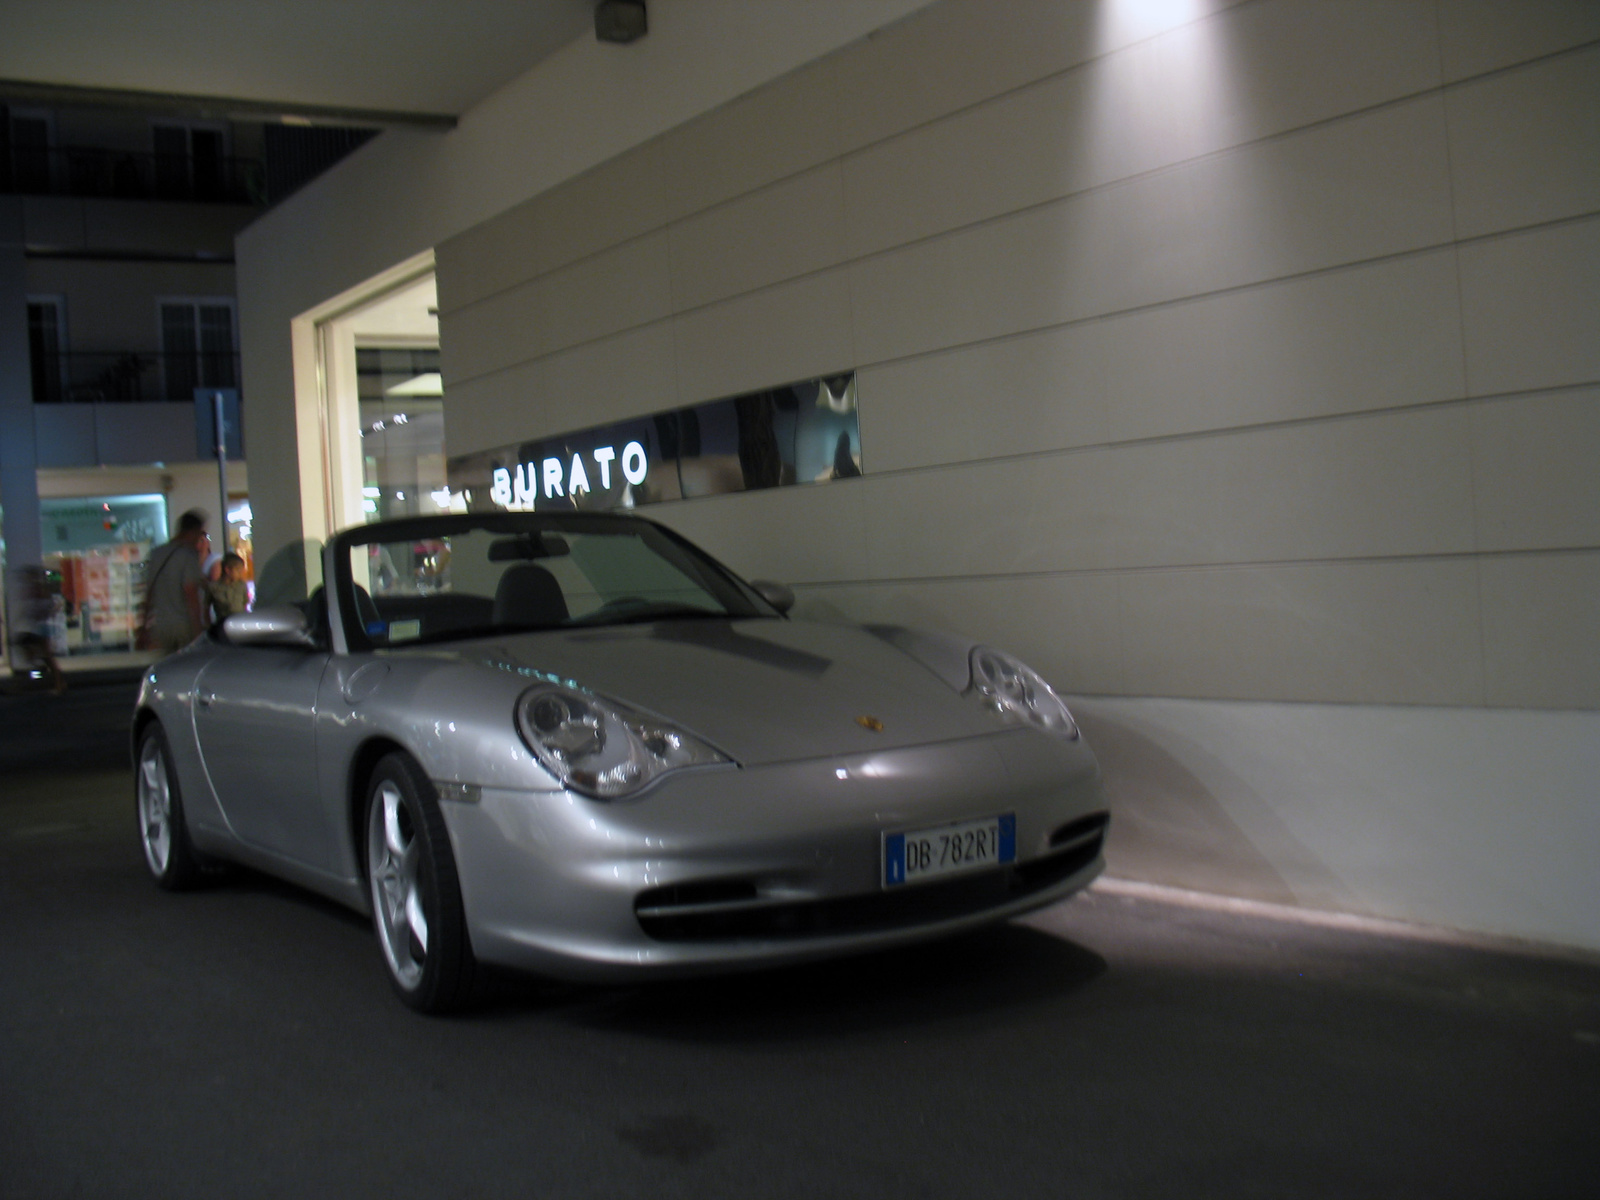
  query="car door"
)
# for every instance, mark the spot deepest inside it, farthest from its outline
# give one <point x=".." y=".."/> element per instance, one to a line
<point x="255" y="721"/>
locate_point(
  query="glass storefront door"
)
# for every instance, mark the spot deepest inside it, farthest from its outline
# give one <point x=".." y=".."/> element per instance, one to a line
<point x="402" y="432"/>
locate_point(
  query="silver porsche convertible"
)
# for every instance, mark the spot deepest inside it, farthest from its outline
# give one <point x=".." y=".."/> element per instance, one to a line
<point x="574" y="744"/>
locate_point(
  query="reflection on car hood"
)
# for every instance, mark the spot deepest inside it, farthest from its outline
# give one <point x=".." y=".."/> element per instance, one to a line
<point x="760" y="690"/>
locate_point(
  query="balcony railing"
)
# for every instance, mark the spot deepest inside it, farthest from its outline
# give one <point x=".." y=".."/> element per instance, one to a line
<point x="127" y="377"/>
<point x="119" y="174"/>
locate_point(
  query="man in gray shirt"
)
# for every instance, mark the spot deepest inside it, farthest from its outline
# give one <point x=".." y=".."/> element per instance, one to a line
<point x="175" y="587"/>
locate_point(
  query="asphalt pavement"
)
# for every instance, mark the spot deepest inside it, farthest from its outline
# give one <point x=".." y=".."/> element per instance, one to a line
<point x="242" y="1041"/>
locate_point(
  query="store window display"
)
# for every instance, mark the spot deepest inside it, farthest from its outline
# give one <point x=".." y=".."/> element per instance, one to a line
<point x="95" y="548"/>
<point x="798" y="433"/>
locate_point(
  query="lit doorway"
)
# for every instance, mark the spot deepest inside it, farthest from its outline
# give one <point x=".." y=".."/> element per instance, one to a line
<point x="370" y="403"/>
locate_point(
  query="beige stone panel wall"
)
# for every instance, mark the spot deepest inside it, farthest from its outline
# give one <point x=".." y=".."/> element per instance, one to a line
<point x="600" y="381"/>
<point x="789" y="229"/>
<point x="1392" y="632"/>
<point x="1530" y="308"/>
<point x="1536" y="470"/>
<point x="1359" y="487"/>
<point x="1541" y="629"/>
<point x="782" y="129"/>
<point x="1380" y="335"/>
<point x="779" y="334"/>
<point x="1478" y="36"/>
<point x="617" y="289"/>
<point x="1373" y="185"/>
<point x="1525" y="144"/>
<point x="614" y="202"/>
<point x="1252" y="72"/>
<point x="885" y="85"/>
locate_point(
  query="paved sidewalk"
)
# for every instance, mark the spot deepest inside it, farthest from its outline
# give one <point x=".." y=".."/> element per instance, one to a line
<point x="83" y="728"/>
<point x="84" y="667"/>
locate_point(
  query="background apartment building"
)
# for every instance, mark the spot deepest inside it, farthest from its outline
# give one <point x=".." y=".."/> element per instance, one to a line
<point x="117" y="306"/>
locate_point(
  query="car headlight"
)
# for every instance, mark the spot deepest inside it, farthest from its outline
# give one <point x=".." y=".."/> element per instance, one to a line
<point x="602" y="748"/>
<point x="1015" y="690"/>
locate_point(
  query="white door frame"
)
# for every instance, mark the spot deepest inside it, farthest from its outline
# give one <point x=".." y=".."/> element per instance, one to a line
<point x="327" y="403"/>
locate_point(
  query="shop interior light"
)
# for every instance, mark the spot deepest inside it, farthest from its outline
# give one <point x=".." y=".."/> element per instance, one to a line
<point x="429" y="383"/>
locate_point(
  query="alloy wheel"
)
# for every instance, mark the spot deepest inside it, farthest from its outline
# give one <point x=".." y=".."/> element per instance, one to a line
<point x="155" y="806"/>
<point x="394" y="860"/>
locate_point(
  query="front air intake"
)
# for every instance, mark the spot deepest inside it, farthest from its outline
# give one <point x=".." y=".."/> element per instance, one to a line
<point x="1072" y="831"/>
<point x="723" y="910"/>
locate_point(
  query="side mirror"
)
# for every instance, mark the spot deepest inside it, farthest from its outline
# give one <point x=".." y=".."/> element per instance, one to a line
<point x="779" y="595"/>
<point x="281" y="625"/>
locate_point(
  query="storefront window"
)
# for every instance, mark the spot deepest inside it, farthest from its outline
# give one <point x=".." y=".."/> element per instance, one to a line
<point x="798" y="433"/>
<point x="94" y="549"/>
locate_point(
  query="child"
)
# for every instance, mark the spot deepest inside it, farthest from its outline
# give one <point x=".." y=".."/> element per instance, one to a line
<point x="230" y="594"/>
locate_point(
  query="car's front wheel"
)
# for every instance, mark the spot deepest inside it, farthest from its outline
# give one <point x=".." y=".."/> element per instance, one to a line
<point x="416" y="895"/>
<point x="162" y="832"/>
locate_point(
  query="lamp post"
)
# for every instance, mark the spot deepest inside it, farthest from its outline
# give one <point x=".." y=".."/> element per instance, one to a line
<point x="221" y="428"/>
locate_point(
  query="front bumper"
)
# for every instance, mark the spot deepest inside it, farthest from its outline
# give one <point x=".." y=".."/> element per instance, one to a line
<point x="721" y="868"/>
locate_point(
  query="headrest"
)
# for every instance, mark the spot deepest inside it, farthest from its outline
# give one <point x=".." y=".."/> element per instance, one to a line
<point x="529" y="595"/>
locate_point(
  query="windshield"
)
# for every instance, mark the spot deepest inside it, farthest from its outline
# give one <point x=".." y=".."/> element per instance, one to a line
<point x="457" y="580"/>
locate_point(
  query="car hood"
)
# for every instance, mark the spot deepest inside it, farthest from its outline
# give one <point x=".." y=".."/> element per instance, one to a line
<point x="760" y="690"/>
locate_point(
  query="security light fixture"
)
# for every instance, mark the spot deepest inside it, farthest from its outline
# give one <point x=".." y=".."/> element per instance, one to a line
<point x="620" y="21"/>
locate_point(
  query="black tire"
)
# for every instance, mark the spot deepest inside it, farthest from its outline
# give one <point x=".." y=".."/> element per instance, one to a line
<point x="158" y="808"/>
<point x="414" y="890"/>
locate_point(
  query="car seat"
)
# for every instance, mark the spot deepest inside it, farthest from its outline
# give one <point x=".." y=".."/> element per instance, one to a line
<point x="529" y="595"/>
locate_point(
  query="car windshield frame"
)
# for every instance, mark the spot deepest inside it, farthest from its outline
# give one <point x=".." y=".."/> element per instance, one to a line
<point x="739" y="600"/>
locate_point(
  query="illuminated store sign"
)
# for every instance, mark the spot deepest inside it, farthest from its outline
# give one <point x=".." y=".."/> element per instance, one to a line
<point x="522" y="491"/>
<point x="804" y="432"/>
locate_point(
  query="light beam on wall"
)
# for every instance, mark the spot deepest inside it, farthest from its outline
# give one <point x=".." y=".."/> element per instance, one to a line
<point x="1156" y="91"/>
<point x="1124" y="22"/>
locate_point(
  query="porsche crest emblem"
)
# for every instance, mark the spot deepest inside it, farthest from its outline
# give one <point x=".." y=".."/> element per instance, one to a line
<point x="871" y="723"/>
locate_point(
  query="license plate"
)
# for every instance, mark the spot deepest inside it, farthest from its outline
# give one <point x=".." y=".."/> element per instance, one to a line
<point x="923" y="854"/>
